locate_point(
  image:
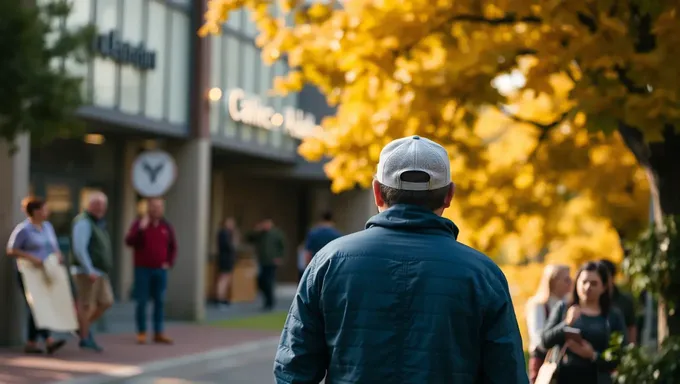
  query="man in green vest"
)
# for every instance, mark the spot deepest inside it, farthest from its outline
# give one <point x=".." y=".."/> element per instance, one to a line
<point x="92" y="262"/>
<point x="270" y="246"/>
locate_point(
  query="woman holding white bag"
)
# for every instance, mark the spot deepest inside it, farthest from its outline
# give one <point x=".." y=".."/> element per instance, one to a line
<point x="34" y="240"/>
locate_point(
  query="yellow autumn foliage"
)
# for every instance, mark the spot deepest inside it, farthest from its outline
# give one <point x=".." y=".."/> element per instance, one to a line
<point x="526" y="96"/>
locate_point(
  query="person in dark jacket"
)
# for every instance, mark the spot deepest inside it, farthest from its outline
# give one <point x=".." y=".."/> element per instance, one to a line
<point x="402" y="301"/>
<point x="322" y="233"/>
<point x="226" y="249"/>
<point x="155" y="250"/>
<point x="623" y="301"/>
<point x="270" y="247"/>
<point x="590" y="311"/>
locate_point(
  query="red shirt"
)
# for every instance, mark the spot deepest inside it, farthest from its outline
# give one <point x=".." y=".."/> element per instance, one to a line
<point x="155" y="246"/>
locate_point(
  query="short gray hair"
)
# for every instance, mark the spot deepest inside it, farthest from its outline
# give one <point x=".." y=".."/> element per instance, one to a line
<point x="96" y="197"/>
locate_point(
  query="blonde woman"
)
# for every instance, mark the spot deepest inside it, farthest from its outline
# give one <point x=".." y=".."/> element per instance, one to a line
<point x="555" y="285"/>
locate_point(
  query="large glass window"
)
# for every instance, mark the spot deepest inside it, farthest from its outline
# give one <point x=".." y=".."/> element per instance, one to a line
<point x="81" y="12"/>
<point x="236" y="20"/>
<point x="155" y="78"/>
<point x="105" y="72"/>
<point x="179" y="68"/>
<point x="231" y="54"/>
<point x="249" y="64"/>
<point x="277" y="69"/>
<point x="216" y="72"/>
<point x="180" y="2"/>
<point x="265" y="82"/>
<point x="131" y="77"/>
<point x="264" y="85"/>
<point x="250" y="27"/>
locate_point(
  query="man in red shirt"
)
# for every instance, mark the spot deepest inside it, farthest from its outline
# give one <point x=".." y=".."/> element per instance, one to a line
<point x="155" y="249"/>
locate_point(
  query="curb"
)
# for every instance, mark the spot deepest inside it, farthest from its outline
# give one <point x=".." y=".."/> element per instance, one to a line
<point x="118" y="376"/>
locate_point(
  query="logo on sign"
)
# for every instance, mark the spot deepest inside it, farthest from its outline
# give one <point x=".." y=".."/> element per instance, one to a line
<point x="251" y="111"/>
<point x="153" y="173"/>
<point x="112" y="46"/>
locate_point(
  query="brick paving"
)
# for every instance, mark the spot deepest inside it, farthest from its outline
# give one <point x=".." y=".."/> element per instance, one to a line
<point x="121" y="357"/>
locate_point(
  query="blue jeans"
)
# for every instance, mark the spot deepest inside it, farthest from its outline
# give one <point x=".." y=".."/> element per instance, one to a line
<point x="150" y="283"/>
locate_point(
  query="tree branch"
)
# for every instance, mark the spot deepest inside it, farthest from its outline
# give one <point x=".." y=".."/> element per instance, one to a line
<point x="505" y="20"/>
<point x="628" y="82"/>
<point x="635" y="141"/>
<point x="587" y="21"/>
<point x="540" y="126"/>
<point x="508" y="19"/>
<point x="544" y="128"/>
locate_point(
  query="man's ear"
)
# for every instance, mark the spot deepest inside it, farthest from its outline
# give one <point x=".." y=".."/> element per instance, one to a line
<point x="449" y="195"/>
<point x="379" y="202"/>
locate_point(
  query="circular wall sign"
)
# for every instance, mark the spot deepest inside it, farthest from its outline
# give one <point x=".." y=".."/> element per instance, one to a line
<point x="153" y="173"/>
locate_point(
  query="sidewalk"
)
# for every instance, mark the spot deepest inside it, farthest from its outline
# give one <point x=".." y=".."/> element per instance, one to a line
<point x="123" y="358"/>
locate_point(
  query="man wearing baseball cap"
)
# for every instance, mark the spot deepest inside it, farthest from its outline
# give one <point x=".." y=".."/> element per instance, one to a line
<point x="403" y="301"/>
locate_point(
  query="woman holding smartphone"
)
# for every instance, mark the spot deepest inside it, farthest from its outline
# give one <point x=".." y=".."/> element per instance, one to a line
<point x="584" y="326"/>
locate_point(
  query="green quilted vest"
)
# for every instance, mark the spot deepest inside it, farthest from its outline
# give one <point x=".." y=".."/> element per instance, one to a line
<point x="100" y="249"/>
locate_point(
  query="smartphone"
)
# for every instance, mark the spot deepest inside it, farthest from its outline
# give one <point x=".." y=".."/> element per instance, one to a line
<point x="572" y="333"/>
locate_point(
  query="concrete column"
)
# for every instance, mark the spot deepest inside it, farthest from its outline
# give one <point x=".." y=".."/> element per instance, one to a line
<point x="216" y="210"/>
<point x="187" y="210"/>
<point x="14" y="173"/>
<point x="352" y="209"/>
<point x="216" y="215"/>
<point x="127" y="215"/>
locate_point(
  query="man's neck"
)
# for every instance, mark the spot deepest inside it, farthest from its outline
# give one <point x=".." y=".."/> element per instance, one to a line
<point x="326" y="224"/>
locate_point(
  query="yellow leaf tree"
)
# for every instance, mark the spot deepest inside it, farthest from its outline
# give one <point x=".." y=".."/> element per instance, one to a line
<point x="400" y="67"/>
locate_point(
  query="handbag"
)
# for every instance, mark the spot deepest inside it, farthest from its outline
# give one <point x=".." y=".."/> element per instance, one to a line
<point x="546" y="375"/>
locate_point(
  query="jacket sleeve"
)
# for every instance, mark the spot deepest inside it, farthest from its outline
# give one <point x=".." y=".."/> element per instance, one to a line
<point x="553" y="333"/>
<point x="502" y="354"/>
<point x="282" y="244"/>
<point x="172" y="246"/>
<point x="302" y="357"/>
<point x="135" y="236"/>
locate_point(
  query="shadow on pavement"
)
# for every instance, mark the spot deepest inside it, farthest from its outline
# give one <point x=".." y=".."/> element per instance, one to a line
<point x="122" y="356"/>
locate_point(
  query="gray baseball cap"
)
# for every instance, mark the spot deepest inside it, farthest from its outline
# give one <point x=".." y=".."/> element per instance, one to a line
<point x="414" y="153"/>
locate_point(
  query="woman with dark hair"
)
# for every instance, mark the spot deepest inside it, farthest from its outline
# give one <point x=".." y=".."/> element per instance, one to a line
<point x="34" y="240"/>
<point x="583" y="327"/>
<point x="227" y="240"/>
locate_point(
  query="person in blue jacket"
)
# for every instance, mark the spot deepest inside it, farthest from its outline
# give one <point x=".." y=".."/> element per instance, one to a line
<point x="402" y="301"/>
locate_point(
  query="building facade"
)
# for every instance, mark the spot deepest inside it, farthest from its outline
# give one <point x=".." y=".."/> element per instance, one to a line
<point x="154" y="84"/>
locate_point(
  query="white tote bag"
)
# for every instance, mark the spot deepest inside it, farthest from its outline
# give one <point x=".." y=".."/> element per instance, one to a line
<point x="547" y="373"/>
<point x="48" y="293"/>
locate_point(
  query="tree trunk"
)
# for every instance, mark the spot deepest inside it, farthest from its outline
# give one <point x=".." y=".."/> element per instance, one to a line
<point x="661" y="162"/>
<point x="14" y="175"/>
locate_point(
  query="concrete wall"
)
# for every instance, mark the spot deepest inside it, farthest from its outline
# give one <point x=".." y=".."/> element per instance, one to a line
<point x="187" y="210"/>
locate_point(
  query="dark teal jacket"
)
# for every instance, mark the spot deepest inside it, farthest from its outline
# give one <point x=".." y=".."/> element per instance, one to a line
<point x="401" y="302"/>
